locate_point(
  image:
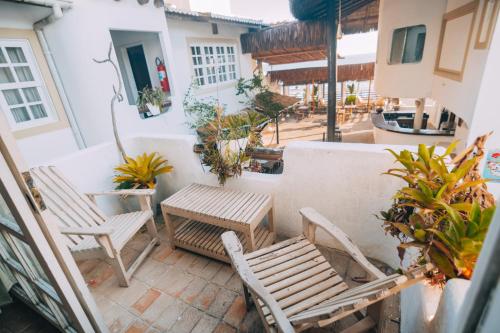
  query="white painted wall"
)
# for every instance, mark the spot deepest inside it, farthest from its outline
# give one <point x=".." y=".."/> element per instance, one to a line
<point x="407" y="80"/>
<point x="45" y="147"/>
<point x="460" y="97"/>
<point x="486" y="115"/>
<point x="465" y="98"/>
<point x="74" y="43"/>
<point x="84" y="33"/>
<point x="182" y="33"/>
<point x="387" y="138"/>
<point x="42" y="147"/>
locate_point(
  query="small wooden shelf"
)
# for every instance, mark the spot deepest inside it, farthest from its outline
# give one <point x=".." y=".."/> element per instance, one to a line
<point x="205" y="238"/>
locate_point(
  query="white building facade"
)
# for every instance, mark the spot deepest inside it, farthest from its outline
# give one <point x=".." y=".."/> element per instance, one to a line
<point x="75" y="91"/>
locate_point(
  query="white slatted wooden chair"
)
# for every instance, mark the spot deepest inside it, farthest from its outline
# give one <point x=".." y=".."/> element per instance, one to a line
<point x="89" y="232"/>
<point x="295" y="288"/>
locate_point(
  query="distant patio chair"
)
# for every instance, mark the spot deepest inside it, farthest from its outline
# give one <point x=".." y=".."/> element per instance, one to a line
<point x="294" y="288"/>
<point x="89" y="232"/>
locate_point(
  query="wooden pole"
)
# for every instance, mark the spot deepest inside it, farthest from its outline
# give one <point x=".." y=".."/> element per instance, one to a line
<point x="369" y="92"/>
<point x="331" y="26"/>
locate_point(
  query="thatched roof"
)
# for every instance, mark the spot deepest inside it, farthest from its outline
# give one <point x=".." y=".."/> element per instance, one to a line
<point x="353" y="72"/>
<point x="284" y="100"/>
<point x="315" y="9"/>
<point x="306" y="40"/>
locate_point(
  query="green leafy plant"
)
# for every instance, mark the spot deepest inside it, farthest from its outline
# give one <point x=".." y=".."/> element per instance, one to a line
<point x="222" y="151"/>
<point x="350" y="100"/>
<point x="444" y="210"/>
<point x="199" y="112"/>
<point x="154" y="96"/>
<point x="141" y="172"/>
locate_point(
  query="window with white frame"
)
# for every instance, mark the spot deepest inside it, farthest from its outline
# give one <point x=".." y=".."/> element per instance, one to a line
<point x="214" y="63"/>
<point x="23" y="96"/>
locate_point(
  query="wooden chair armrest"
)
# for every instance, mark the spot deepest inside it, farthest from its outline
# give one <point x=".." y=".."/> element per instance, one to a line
<point x="234" y="250"/>
<point x="136" y="192"/>
<point x="87" y="231"/>
<point x="143" y="194"/>
<point x="313" y="219"/>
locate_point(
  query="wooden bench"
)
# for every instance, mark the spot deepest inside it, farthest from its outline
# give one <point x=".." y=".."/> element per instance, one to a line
<point x="196" y="216"/>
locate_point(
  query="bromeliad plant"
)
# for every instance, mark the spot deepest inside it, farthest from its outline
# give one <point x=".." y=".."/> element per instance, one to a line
<point x="141" y="172"/>
<point x="444" y="210"/>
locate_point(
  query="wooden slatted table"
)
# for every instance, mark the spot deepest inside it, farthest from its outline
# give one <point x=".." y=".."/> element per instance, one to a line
<point x="197" y="215"/>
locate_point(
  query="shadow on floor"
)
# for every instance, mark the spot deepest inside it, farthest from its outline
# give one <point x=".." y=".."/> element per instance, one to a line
<point x="20" y="318"/>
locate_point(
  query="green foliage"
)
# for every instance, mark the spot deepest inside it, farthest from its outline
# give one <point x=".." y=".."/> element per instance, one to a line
<point x="351" y="88"/>
<point x="199" y="112"/>
<point x="220" y="135"/>
<point x="350" y="100"/>
<point x="258" y="95"/>
<point x="153" y="96"/>
<point x="444" y="210"/>
<point x="141" y="172"/>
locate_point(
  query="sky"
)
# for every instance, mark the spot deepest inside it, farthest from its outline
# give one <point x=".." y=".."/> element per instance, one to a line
<point x="272" y="11"/>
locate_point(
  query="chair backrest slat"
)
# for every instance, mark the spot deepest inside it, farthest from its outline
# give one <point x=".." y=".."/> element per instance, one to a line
<point x="72" y="208"/>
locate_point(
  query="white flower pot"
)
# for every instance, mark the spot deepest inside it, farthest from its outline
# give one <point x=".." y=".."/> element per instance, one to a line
<point x="154" y="109"/>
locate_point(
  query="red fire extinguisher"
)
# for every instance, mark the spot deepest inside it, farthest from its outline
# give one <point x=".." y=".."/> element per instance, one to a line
<point x="162" y="75"/>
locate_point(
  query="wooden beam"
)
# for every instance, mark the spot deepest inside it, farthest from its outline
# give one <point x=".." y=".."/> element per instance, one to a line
<point x="331" y="27"/>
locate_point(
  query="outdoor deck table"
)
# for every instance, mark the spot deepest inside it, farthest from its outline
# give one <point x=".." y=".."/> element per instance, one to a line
<point x="197" y="215"/>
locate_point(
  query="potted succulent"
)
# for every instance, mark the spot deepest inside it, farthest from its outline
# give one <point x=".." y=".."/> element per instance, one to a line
<point x="444" y="210"/>
<point x="151" y="99"/>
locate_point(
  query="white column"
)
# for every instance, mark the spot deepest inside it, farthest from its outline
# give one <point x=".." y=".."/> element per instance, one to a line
<point x="419" y="113"/>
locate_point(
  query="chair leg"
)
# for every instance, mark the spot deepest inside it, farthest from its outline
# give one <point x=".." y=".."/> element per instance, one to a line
<point x="121" y="272"/>
<point x="152" y="231"/>
<point x="248" y="298"/>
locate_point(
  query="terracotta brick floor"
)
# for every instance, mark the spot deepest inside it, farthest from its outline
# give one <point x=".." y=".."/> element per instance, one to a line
<point x="179" y="291"/>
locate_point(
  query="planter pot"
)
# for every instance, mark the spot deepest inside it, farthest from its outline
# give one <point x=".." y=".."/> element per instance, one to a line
<point x="154" y="109"/>
<point x="426" y="308"/>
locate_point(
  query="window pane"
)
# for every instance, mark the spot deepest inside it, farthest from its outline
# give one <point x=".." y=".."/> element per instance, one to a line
<point x="20" y="114"/>
<point x="31" y="94"/>
<point x="6" y="75"/>
<point x="38" y="111"/>
<point x="2" y="57"/>
<point x="24" y="73"/>
<point x="6" y="217"/>
<point x="13" y="97"/>
<point x="398" y="40"/>
<point x="28" y="254"/>
<point x="414" y="44"/>
<point x="16" y="54"/>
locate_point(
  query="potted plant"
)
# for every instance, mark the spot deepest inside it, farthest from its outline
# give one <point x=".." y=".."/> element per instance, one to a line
<point x="151" y="99"/>
<point x="351" y="97"/>
<point x="141" y="172"/>
<point x="444" y="209"/>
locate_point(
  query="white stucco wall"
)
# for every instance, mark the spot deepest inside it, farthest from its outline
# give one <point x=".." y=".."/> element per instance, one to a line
<point x="84" y="33"/>
<point x="486" y="115"/>
<point x="45" y="146"/>
<point x="184" y="32"/>
<point x="460" y="96"/>
<point x="407" y="80"/>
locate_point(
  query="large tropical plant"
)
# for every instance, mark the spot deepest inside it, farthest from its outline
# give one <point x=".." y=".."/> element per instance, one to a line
<point x="444" y="210"/>
<point x="141" y="172"/>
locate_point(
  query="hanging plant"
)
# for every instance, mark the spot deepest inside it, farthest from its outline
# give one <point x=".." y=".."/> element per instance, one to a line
<point x="224" y="145"/>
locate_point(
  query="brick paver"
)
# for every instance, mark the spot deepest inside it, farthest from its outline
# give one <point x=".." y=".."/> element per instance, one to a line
<point x="237" y="311"/>
<point x="178" y="291"/>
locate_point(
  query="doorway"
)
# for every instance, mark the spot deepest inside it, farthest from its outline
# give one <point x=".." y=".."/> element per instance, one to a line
<point x="139" y="67"/>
